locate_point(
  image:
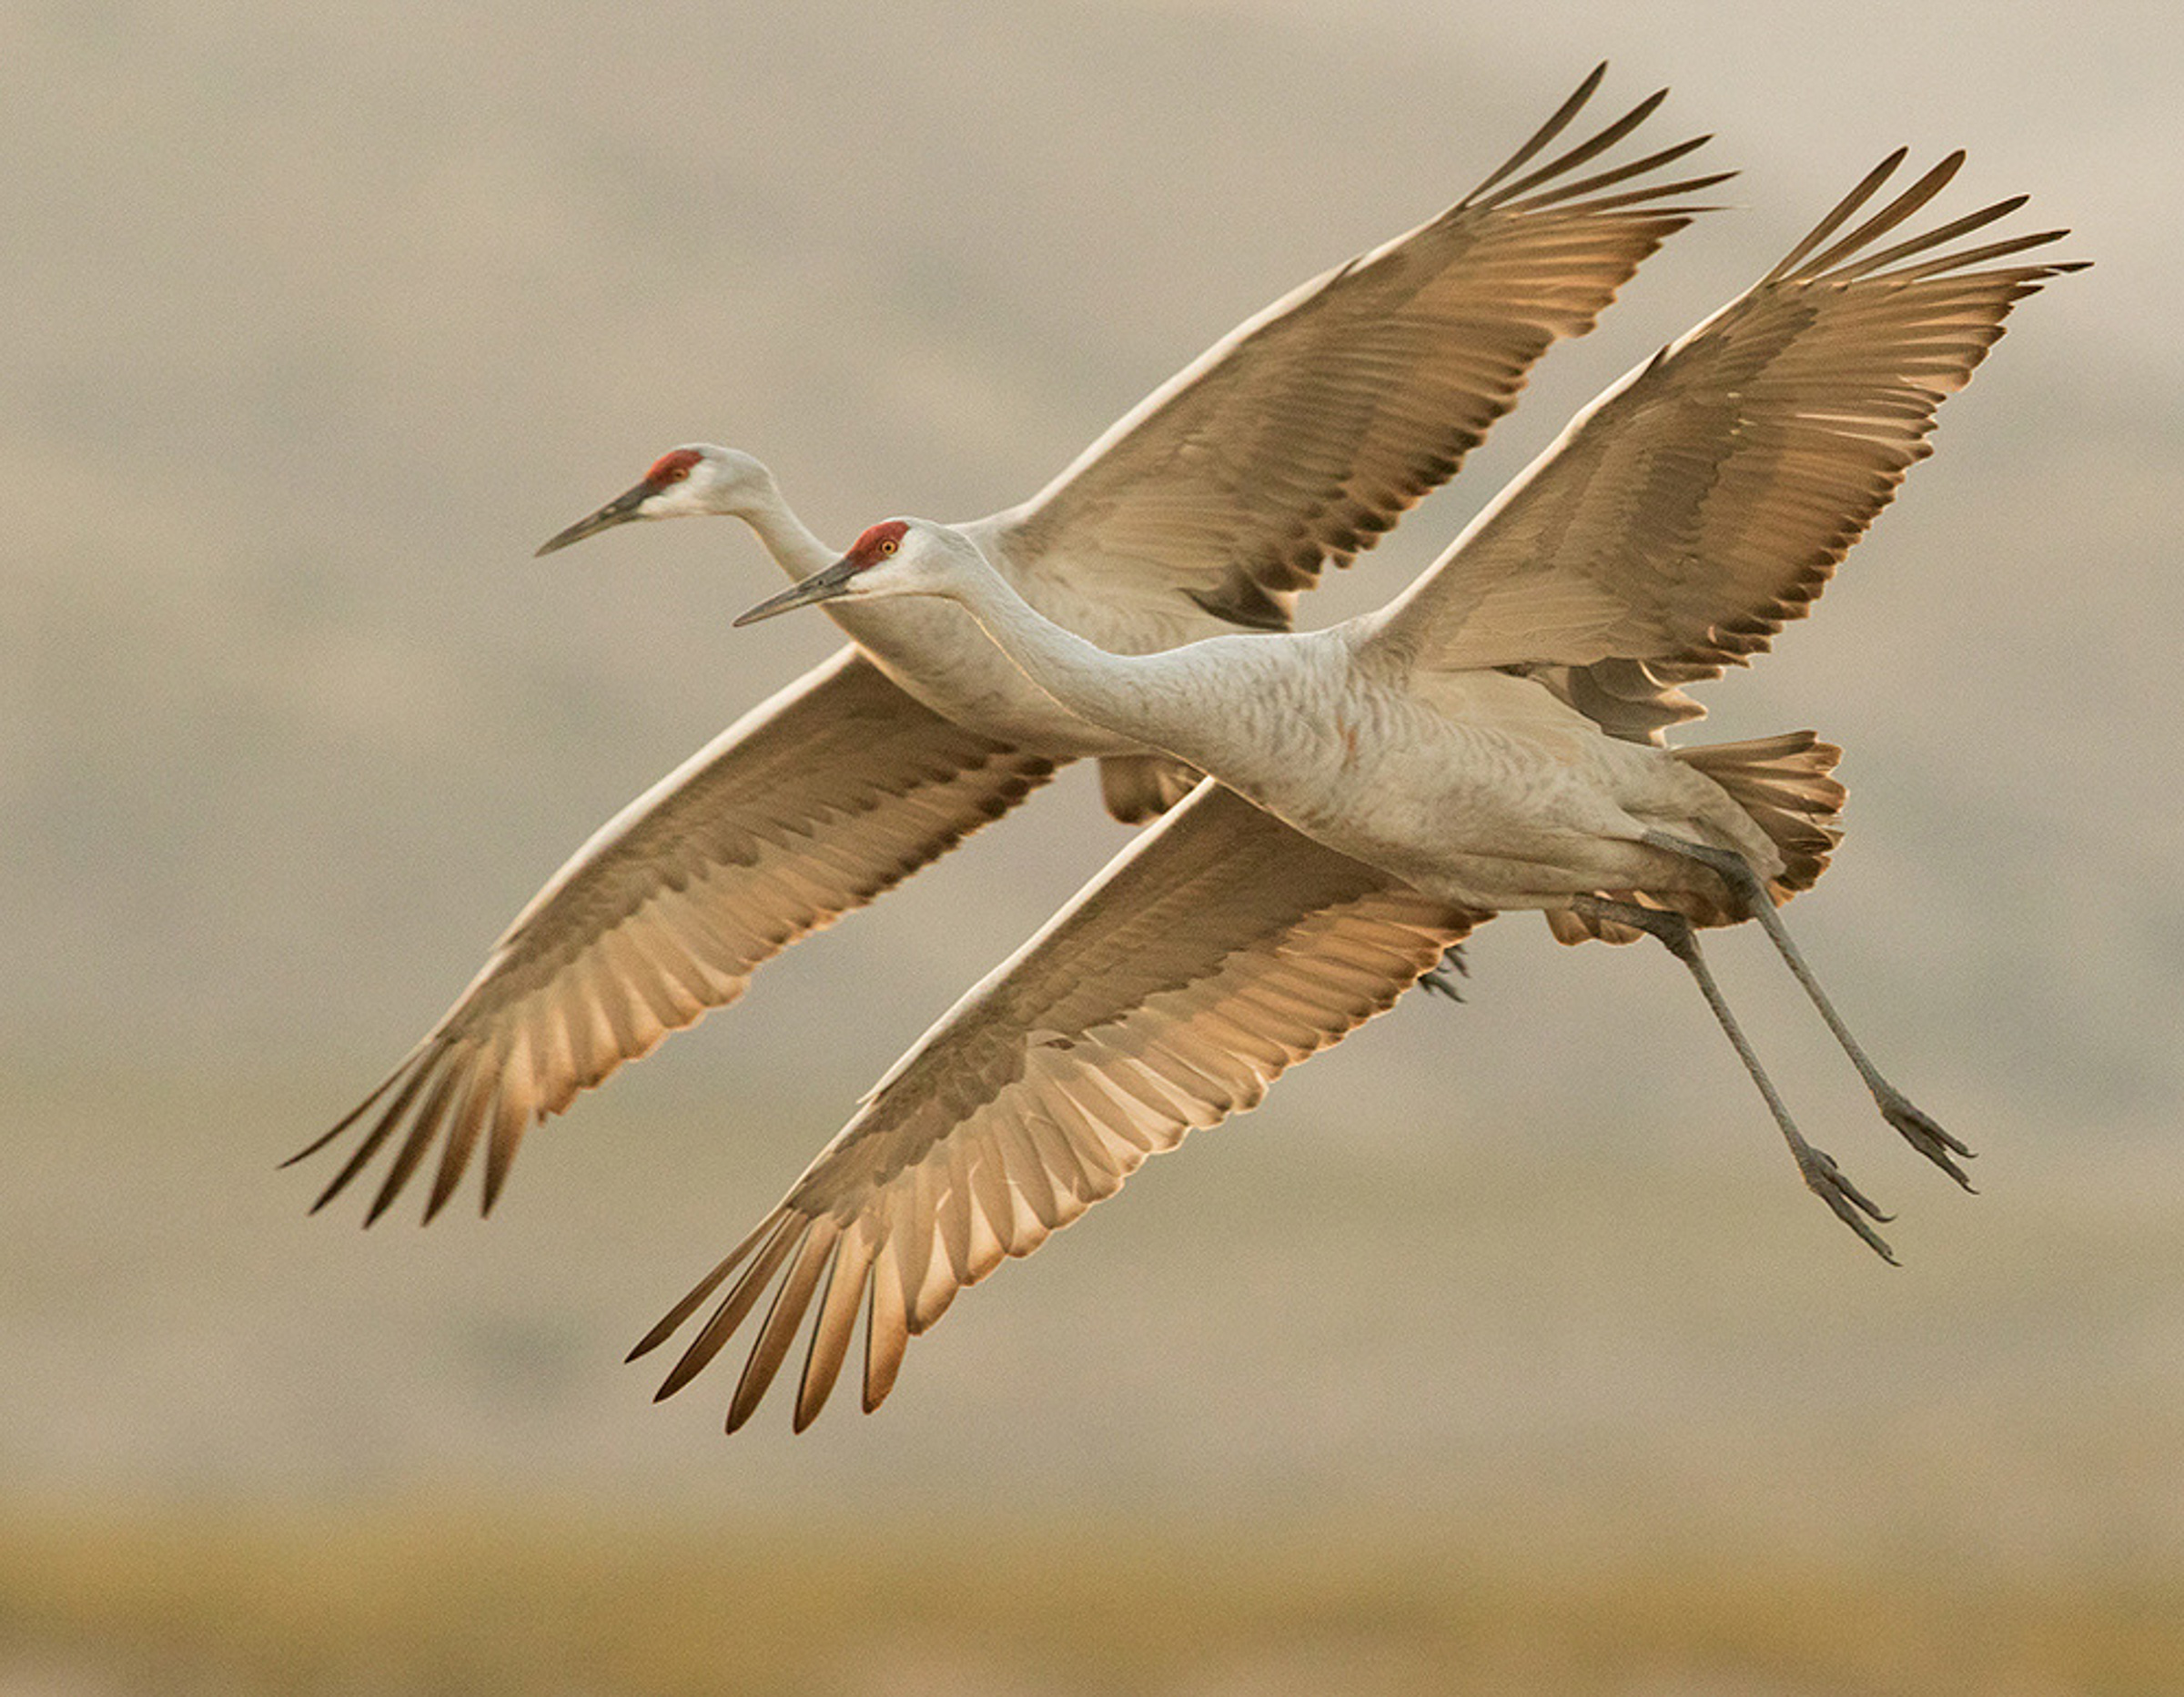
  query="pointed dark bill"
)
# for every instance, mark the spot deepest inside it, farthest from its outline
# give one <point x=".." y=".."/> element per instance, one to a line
<point x="821" y="585"/>
<point x="618" y="510"/>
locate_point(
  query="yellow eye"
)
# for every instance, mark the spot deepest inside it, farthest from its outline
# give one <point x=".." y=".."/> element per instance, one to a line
<point x="887" y="547"/>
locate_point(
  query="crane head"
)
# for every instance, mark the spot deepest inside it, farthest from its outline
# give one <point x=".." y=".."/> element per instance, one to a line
<point x="697" y="477"/>
<point x="898" y="556"/>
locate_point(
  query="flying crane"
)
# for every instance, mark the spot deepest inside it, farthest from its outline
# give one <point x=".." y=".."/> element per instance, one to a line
<point x="1291" y="443"/>
<point x="1492" y="739"/>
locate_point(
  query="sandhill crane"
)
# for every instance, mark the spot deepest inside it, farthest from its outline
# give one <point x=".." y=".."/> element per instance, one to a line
<point x="1292" y="442"/>
<point x="1490" y="739"/>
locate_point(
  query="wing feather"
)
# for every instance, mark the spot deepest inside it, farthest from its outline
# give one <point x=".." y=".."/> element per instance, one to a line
<point x="811" y="805"/>
<point x="1218" y="949"/>
<point x="836" y="1324"/>
<point x="464" y="1130"/>
<point x="886" y="1329"/>
<point x="1704" y="500"/>
<point x="814" y="1256"/>
<point x="774" y="1241"/>
<point x="1313" y="427"/>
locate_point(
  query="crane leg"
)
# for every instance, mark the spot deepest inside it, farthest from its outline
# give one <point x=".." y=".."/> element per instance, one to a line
<point x="1917" y="1128"/>
<point x="1822" y="1175"/>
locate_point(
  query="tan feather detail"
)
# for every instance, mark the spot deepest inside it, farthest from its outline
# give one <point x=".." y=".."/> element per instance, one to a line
<point x="836" y="1324"/>
<point x="886" y="1329"/>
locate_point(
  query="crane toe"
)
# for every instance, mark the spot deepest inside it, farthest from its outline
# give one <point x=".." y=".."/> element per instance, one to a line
<point x="1920" y="1131"/>
<point x="1850" y="1205"/>
<point x="1446" y="978"/>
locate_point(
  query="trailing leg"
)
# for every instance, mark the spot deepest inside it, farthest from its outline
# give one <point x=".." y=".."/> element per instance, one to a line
<point x="1822" y="1175"/>
<point x="1918" y="1128"/>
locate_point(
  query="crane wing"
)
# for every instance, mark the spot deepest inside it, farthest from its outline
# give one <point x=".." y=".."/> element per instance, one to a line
<point x="1217" y="949"/>
<point x="1313" y="427"/>
<point x="808" y="806"/>
<point x="1704" y="500"/>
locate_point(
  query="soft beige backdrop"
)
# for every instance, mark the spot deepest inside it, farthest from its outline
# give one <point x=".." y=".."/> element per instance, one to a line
<point x="316" y="320"/>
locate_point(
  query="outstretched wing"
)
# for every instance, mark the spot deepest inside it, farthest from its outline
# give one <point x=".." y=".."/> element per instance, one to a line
<point x="811" y="805"/>
<point x="1704" y="500"/>
<point x="1313" y="427"/>
<point x="1217" y="949"/>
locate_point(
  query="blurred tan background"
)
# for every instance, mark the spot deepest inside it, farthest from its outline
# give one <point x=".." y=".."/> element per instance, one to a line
<point x="1500" y="1350"/>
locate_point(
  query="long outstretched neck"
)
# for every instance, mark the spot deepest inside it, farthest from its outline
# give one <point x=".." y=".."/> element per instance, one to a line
<point x="1142" y="696"/>
<point x="794" y="548"/>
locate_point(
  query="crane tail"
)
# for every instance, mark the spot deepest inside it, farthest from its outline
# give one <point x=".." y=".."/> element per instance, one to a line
<point x="1785" y="784"/>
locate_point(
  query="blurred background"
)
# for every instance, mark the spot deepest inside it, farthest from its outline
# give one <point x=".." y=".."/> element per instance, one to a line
<point x="1500" y="1350"/>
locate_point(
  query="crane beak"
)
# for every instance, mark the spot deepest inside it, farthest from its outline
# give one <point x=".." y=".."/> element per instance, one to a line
<point x="821" y="585"/>
<point x="620" y="510"/>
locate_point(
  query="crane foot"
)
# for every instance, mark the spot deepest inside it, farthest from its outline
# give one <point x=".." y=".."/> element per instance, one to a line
<point x="1922" y="1134"/>
<point x="1442" y="980"/>
<point x="1827" y="1181"/>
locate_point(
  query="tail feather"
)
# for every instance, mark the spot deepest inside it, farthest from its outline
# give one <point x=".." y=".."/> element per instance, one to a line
<point x="1785" y="784"/>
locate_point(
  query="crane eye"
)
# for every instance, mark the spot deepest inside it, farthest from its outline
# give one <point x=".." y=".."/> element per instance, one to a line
<point x="887" y="547"/>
